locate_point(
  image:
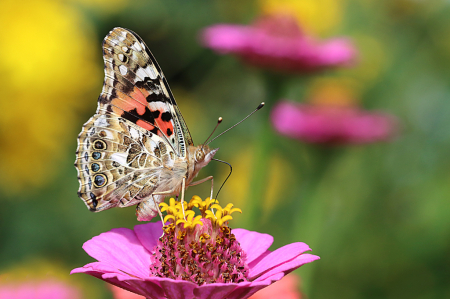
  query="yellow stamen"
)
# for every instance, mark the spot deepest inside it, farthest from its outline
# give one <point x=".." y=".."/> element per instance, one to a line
<point x="183" y="214"/>
<point x="171" y="217"/>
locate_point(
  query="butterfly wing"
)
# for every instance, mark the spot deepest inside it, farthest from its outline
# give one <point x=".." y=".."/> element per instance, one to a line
<point x="137" y="128"/>
<point x="132" y="71"/>
<point x="118" y="162"/>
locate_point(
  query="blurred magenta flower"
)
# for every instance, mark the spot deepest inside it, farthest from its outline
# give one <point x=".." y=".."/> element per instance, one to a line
<point x="49" y="289"/>
<point x="332" y="124"/>
<point x="197" y="257"/>
<point x="286" y="288"/>
<point x="277" y="42"/>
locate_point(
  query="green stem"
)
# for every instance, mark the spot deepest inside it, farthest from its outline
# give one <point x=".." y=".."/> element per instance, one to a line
<point x="312" y="210"/>
<point x="265" y="144"/>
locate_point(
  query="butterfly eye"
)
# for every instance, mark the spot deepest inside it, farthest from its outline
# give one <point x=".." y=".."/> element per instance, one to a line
<point x="199" y="156"/>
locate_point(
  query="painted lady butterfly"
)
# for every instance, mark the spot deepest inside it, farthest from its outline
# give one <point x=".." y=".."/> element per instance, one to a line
<point x="137" y="148"/>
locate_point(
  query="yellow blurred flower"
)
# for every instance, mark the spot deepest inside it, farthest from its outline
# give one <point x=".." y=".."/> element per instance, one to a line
<point x="336" y="91"/>
<point x="47" y="67"/>
<point x="280" y="178"/>
<point x="314" y="16"/>
<point x="374" y="60"/>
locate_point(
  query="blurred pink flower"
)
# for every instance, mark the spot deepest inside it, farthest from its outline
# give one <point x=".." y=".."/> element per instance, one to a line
<point x="124" y="259"/>
<point x="276" y="42"/>
<point x="286" y="288"/>
<point x="39" y="290"/>
<point x="332" y="124"/>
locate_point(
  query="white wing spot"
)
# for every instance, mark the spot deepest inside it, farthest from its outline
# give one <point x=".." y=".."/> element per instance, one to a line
<point x="121" y="57"/>
<point x="101" y="122"/>
<point x="134" y="133"/>
<point x="141" y="73"/>
<point x="120" y="158"/>
<point x="138" y="47"/>
<point x="123" y="70"/>
<point x="125" y="49"/>
<point x="151" y="71"/>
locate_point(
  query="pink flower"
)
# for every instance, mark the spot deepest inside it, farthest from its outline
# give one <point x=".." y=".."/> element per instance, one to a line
<point x="286" y="288"/>
<point x="127" y="258"/>
<point x="276" y="42"/>
<point x="49" y="289"/>
<point x="331" y="124"/>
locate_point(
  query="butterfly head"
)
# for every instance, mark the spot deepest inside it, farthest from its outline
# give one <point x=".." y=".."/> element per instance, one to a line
<point x="202" y="155"/>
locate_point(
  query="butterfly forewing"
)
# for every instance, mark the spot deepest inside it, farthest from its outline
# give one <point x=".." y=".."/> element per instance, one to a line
<point x="152" y="106"/>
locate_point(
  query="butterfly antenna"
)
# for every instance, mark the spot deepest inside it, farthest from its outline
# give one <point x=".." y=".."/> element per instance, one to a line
<point x="218" y="123"/>
<point x="231" y="170"/>
<point x="257" y="108"/>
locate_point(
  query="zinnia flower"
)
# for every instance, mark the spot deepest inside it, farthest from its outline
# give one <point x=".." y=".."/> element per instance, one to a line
<point x="48" y="289"/>
<point x="196" y="257"/>
<point x="331" y="124"/>
<point x="277" y="42"/>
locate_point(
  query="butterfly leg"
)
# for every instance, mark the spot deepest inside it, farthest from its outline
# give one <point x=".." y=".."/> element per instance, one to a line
<point x="204" y="180"/>
<point x="159" y="211"/>
<point x="183" y="186"/>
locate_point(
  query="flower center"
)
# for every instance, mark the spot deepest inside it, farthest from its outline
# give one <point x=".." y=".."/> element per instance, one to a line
<point x="199" y="249"/>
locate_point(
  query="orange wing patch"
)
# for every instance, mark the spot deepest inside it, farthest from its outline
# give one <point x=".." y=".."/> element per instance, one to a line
<point x="163" y="119"/>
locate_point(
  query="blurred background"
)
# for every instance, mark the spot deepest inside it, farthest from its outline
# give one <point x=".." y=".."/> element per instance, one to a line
<point x="374" y="206"/>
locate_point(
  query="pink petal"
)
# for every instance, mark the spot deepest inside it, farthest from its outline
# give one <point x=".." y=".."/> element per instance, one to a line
<point x="337" y="51"/>
<point x="330" y="124"/>
<point x="288" y="266"/>
<point x="178" y="289"/>
<point x="100" y="270"/>
<point x="273" y="278"/>
<point x="121" y="249"/>
<point x="148" y="234"/>
<point x="253" y="243"/>
<point x="277" y="42"/>
<point x="246" y="289"/>
<point x="225" y="38"/>
<point x="149" y="288"/>
<point x="106" y="271"/>
<point x="278" y="257"/>
<point x="213" y="291"/>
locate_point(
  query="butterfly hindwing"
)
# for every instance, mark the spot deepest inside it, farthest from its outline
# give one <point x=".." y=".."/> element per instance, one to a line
<point x="118" y="162"/>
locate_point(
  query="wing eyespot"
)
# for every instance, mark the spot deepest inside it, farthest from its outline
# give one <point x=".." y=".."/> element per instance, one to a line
<point x="100" y="180"/>
<point x="95" y="167"/>
<point x="99" y="145"/>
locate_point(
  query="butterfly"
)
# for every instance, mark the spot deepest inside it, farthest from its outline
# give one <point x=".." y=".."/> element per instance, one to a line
<point x="136" y="149"/>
